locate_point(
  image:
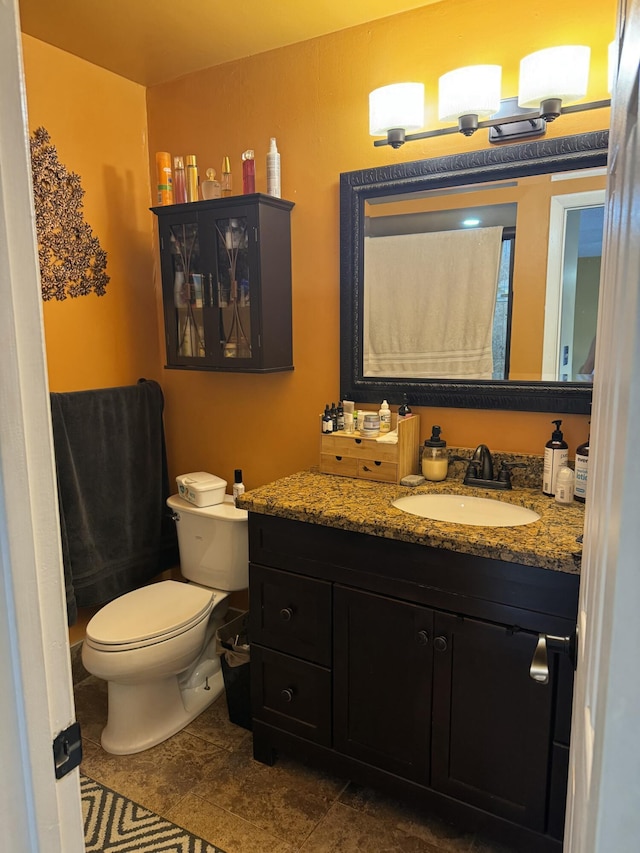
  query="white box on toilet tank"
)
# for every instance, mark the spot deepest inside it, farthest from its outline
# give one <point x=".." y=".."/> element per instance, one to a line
<point x="201" y="488"/>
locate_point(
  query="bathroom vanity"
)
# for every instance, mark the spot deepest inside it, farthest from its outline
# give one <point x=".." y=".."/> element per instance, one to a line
<point x="396" y="651"/>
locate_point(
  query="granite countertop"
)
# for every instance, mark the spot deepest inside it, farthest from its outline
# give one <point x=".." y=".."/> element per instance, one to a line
<point x="364" y="506"/>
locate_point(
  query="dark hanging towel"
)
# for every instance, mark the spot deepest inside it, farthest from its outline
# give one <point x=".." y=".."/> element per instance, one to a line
<point x="112" y="486"/>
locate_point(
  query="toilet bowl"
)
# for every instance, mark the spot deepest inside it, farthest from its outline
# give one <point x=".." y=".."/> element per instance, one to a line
<point x="155" y="646"/>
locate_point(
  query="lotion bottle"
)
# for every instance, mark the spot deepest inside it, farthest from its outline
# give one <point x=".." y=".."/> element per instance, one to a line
<point x="556" y="455"/>
<point x="582" y="466"/>
<point x="273" y="169"/>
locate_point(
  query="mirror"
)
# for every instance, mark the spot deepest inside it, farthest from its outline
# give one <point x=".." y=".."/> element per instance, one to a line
<point x="513" y="322"/>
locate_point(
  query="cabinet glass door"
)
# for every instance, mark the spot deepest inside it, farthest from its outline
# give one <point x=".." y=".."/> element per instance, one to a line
<point x="189" y="283"/>
<point x="234" y="288"/>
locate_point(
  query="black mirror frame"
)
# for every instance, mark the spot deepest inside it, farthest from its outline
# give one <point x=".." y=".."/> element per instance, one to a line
<point x="582" y="151"/>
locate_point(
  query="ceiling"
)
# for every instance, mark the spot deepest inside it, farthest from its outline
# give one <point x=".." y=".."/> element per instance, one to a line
<point x="152" y="41"/>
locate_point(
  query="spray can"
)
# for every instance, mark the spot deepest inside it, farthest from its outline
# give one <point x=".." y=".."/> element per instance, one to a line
<point x="164" y="178"/>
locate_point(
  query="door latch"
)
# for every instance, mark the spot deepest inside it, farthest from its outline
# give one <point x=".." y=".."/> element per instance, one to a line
<point x="67" y="750"/>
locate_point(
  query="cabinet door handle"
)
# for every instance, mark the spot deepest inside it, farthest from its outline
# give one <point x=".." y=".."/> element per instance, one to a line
<point x="440" y="644"/>
<point x="423" y="638"/>
<point x="539" y="669"/>
<point x="286" y="614"/>
<point x="287" y="694"/>
<point x="210" y="291"/>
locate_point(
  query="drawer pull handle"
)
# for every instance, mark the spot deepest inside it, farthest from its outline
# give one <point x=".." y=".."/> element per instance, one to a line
<point x="339" y="458"/>
<point x="358" y="441"/>
<point x="440" y="643"/>
<point x="286" y="614"/>
<point x="423" y="638"/>
<point x="377" y="463"/>
<point x="287" y="694"/>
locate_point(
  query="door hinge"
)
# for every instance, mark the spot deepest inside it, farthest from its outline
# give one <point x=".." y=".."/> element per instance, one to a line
<point x="67" y="750"/>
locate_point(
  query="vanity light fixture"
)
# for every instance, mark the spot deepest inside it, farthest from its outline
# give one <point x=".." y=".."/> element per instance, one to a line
<point x="470" y="223"/>
<point x="551" y="81"/>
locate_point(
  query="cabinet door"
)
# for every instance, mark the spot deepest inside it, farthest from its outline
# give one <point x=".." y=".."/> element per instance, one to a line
<point x="233" y="234"/>
<point x="187" y="293"/>
<point x="491" y="737"/>
<point x="382" y="663"/>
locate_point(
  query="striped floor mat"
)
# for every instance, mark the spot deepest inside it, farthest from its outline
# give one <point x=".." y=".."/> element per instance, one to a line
<point x="114" y="824"/>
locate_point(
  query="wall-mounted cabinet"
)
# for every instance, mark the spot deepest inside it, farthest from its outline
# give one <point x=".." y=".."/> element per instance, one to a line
<point x="226" y="283"/>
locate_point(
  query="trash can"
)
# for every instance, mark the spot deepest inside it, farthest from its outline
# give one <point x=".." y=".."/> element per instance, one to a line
<point x="232" y="644"/>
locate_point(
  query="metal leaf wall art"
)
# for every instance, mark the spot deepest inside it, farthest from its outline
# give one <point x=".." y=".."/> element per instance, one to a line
<point x="72" y="262"/>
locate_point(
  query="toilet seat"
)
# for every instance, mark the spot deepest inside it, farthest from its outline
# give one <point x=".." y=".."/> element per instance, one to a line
<point x="149" y="615"/>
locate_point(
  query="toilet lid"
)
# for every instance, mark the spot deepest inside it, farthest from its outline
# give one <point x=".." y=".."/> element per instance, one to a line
<point x="162" y="609"/>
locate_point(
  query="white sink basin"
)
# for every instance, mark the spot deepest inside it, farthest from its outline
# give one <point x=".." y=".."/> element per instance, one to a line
<point x="460" y="509"/>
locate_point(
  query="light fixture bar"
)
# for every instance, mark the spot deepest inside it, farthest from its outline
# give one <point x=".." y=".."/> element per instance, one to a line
<point x="537" y="120"/>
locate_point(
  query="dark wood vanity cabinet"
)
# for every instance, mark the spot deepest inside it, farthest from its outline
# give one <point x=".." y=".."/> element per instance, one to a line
<point x="407" y="668"/>
<point x="226" y="283"/>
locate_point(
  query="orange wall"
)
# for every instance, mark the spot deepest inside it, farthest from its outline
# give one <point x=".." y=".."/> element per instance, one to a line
<point x="97" y="121"/>
<point x="313" y="98"/>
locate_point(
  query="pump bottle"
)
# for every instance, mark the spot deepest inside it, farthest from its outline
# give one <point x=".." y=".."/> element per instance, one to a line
<point x="556" y="456"/>
<point x="582" y="466"/>
<point x="435" y="462"/>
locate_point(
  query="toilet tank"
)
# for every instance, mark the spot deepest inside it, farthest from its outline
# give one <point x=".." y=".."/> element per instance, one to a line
<point x="213" y="543"/>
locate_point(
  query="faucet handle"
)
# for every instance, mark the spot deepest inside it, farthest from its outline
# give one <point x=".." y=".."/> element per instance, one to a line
<point x="505" y="471"/>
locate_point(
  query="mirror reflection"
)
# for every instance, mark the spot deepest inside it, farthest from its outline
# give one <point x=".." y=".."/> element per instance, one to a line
<point x="472" y="280"/>
<point x="493" y="281"/>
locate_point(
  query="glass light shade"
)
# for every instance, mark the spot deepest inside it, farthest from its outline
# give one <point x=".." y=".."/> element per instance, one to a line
<point x="473" y="90"/>
<point x="397" y="105"/>
<point x="613" y="61"/>
<point x="555" y="72"/>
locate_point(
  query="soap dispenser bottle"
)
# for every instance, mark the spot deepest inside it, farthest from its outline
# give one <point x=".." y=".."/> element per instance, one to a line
<point x="435" y="462"/>
<point x="556" y="456"/>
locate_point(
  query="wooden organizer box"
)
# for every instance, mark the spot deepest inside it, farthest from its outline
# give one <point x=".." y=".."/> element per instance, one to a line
<point x="351" y="455"/>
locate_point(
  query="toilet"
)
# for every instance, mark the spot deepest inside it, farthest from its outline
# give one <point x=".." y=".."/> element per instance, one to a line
<point x="156" y="646"/>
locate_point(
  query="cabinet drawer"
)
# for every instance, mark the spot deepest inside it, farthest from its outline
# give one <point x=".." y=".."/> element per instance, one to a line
<point x="290" y="613"/>
<point x="291" y="694"/>
<point x="346" y="466"/>
<point x="374" y="469"/>
<point x="360" y="448"/>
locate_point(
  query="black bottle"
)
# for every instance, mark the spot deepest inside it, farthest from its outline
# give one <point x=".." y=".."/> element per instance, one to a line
<point x="340" y="416"/>
<point x="327" y="421"/>
<point x="334" y="417"/>
<point x="405" y="409"/>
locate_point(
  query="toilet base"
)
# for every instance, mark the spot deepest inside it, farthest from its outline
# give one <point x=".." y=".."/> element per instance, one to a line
<point x="143" y="715"/>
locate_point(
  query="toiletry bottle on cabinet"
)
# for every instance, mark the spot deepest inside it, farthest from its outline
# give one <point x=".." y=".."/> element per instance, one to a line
<point x="238" y="485"/>
<point x="248" y="172"/>
<point x="273" y="169"/>
<point x="226" y="181"/>
<point x="179" y="181"/>
<point x="556" y="455"/>
<point x="192" y="177"/>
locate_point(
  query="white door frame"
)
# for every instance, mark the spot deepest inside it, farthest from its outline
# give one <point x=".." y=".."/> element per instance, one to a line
<point x="37" y="813"/>
<point x="603" y="814"/>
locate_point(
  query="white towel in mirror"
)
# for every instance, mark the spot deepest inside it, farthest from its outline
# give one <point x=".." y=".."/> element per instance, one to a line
<point x="429" y="303"/>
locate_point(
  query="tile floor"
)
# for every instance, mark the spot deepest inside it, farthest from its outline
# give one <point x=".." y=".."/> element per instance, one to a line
<point x="205" y="779"/>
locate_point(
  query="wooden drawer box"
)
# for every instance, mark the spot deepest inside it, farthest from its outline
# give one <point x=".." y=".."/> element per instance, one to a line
<point x="368" y="459"/>
<point x="291" y="694"/>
